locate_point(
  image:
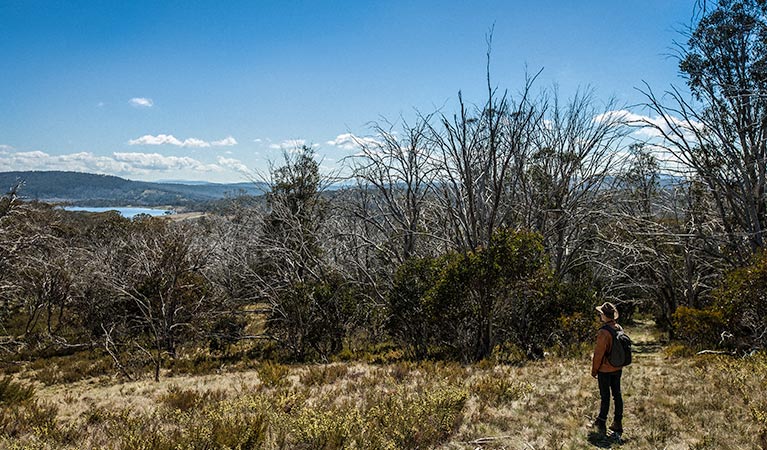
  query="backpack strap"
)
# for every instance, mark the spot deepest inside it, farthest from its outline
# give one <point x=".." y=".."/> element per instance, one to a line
<point x="613" y="332"/>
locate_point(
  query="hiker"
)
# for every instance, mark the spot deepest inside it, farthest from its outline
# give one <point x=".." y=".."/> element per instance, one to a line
<point x="608" y="376"/>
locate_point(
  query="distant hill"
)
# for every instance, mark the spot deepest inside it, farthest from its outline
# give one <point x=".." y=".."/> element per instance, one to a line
<point x="89" y="189"/>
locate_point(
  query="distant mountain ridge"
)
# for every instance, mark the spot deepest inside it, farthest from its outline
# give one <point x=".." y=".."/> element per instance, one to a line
<point x="88" y="189"/>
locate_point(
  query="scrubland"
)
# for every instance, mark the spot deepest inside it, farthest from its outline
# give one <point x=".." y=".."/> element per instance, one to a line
<point x="674" y="400"/>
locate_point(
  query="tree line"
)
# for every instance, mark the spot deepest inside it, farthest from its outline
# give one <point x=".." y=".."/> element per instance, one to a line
<point x="491" y="230"/>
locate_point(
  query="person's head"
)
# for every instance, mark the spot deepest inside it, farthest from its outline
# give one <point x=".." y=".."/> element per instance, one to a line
<point x="607" y="312"/>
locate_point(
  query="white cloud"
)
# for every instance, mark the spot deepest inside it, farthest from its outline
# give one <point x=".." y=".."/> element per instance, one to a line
<point x="619" y="115"/>
<point x="234" y="164"/>
<point x="156" y="161"/>
<point x="117" y="163"/>
<point x="160" y="139"/>
<point x="195" y="143"/>
<point x="82" y="162"/>
<point x="141" y="102"/>
<point x="169" y="139"/>
<point x="348" y="141"/>
<point x="288" y="144"/>
<point x="226" y="142"/>
<point x="650" y="127"/>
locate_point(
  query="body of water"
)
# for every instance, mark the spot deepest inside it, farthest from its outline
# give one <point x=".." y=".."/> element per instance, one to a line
<point x="125" y="212"/>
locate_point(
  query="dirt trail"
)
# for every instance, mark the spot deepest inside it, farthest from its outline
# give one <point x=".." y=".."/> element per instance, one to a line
<point x="646" y="339"/>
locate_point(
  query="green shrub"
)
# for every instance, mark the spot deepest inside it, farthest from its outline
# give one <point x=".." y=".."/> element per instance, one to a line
<point x="71" y="368"/>
<point x="240" y="424"/>
<point x="576" y="328"/>
<point x="21" y="419"/>
<point x="187" y="399"/>
<point x="273" y="374"/>
<point x="313" y="318"/>
<point x="411" y="420"/>
<point x="497" y="390"/>
<point x="678" y="351"/>
<point x="13" y="393"/>
<point x="508" y="353"/>
<point x="196" y="365"/>
<point x="385" y="355"/>
<point x="324" y="374"/>
<point x="236" y="424"/>
<point x="698" y="327"/>
<point x="322" y="429"/>
<point x="408" y="322"/>
<point x="742" y="301"/>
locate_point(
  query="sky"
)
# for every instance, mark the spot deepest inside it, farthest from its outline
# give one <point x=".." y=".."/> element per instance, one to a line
<point x="215" y="90"/>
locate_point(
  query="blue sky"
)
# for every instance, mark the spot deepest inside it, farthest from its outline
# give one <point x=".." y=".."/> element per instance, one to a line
<point x="203" y="90"/>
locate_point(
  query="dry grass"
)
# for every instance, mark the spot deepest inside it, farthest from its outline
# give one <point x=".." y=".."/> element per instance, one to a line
<point x="671" y="403"/>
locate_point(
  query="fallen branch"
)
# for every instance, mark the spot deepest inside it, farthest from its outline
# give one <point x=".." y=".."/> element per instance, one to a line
<point x="713" y="352"/>
<point x="487" y="440"/>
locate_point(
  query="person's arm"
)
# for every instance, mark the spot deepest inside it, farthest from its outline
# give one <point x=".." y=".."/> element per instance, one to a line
<point x="603" y="338"/>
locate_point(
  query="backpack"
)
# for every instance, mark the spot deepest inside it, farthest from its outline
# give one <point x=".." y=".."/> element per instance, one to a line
<point x="620" y="355"/>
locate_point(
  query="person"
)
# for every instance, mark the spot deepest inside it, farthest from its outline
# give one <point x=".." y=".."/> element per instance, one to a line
<point x="607" y="375"/>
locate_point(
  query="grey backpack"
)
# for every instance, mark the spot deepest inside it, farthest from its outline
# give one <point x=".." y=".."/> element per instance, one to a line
<point x="620" y="355"/>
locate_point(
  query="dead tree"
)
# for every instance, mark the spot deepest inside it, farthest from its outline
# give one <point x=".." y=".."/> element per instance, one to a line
<point x="567" y="176"/>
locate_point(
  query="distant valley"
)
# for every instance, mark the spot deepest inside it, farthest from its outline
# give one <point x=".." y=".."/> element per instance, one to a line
<point x="87" y="189"/>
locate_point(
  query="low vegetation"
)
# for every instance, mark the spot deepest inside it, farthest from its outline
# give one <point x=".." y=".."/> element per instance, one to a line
<point x="684" y="402"/>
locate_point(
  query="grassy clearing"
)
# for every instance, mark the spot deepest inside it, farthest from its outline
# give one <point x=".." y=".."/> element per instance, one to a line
<point x="672" y="402"/>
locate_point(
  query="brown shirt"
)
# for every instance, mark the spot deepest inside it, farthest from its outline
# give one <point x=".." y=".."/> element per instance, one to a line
<point x="599" y="362"/>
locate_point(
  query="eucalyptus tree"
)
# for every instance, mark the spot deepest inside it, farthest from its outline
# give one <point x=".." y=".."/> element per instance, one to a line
<point x="305" y="293"/>
<point x="718" y="131"/>
<point x="295" y="213"/>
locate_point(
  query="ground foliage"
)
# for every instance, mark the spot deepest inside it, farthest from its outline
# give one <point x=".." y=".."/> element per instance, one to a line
<point x="671" y="402"/>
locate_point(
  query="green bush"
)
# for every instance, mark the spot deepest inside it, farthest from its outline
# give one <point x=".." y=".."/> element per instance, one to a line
<point x="273" y="374"/>
<point x="408" y="322"/>
<point x="508" y="353"/>
<point x="576" y="328"/>
<point x="411" y="420"/>
<point x="28" y="417"/>
<point x="698" y="328"/>
<point x="70" y="368"/>
<point x="480" y="298"/>
<point x="324" y="374"/>
<point x="13" y="393"/>
<point x="742" y="301"/>
<point x="321" y="429"/>
<point x="187" y="399"/>
<point x="674" y="351"/>
<point x="312" y="318"/>
<point x="498" y="390"/>
<point x="236" y="424"/>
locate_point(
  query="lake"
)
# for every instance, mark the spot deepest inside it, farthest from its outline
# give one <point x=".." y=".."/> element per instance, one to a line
<point x="125" y="212"/>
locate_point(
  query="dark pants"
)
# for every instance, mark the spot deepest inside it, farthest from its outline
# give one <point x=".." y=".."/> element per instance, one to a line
<point x="610" y="382"/>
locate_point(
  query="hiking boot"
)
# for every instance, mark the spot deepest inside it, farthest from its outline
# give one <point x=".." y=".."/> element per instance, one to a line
<point x="616" y="427"/>
<point x="600" y="425"/>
